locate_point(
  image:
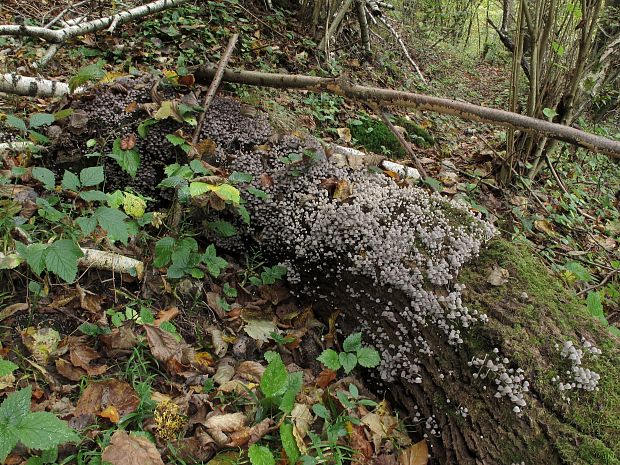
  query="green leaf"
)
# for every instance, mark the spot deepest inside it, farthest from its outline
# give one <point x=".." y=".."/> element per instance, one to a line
<point x="275" y="377"/>
<point x="45" y="176"/>
<point x="260" y="455"/>
<point x="43" y="430"/>
<point x="37" y="137"/>
<point x="7" y="367"/>
<point x="146" y="316"/>
<point x="353" y="342"/>
<point x="92" y="176"/>
<point x="330" y="359"/>
<point x="348" y="361"/>
<point x="293" y="386"/>
<point x="288" y="443"/>
<point x="128" y="160"/>
<point x="163" y="251"/>
<point x="17" y="123"/>
<point x="344" y="399"/>
<point x="550" y="113"/>
<point x="14" y="408"/>
<point x="94" y="196"/>
<point x="594" y="301"/>
<point x="70" y="181"/>
<point x="258" y="193"/>
<point x="175" y="140"/>
<point x="91" y="329"/>
<point x="237" y="177"/>
<point x="321" y="412"/>
<point x="222" y="228"/>
<point x="61" y="259"/>
<point x="197" y="167"/>
<point x="62" y="114"/>
<point x="227" y="193"/>
<point x="433" y="184"/>
<point x="40" y="119"/>
<point x="87" y="224"/>
<point x="143" y="127"/>
<point x="213" y="263"/>
<point x="245" y="215"/>
<point x="368" y="357"/>
<point x="85" y="74"/>
<point x="7" y="442"/>
<point x="580" y="272"/>
<point x="199" y="188"/>
<point x="34" y="254"/>
<point x="113" y="221"/>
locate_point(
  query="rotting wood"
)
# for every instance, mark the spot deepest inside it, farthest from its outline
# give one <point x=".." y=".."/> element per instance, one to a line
<point x="463" y="110"/>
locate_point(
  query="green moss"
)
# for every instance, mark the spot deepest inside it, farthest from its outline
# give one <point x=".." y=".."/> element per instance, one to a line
<point x="586" y="430"/>
<point x="416" y="133"/>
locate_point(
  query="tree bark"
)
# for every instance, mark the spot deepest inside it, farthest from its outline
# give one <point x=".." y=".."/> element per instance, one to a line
<point x="422" y="102"/>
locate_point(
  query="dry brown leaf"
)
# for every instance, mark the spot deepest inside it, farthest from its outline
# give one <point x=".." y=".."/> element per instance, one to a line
<point x="68" y="370"/>
<point x="225" y="371"/>
<point x="128" y="142"/>
<point x="125" y="449"/>
<point x="250" y="370"/>
<point x="220" y="346"/>
<point x="302" y="419"/>
<point x="168" y="350"/>
<point x="344" y="134"/>
<point x="325" y="378"/>
<point x="227" y="422"/>
<point x="414" y="455"/>
<point x="120" y="340"/>
<point x="82" y="354"/>
<point x="166" y="315"/>
<point x="259" y="430"/>
<point x="498" y="276"/>
<point x="10" y="310"/>
<point x="89" y="301"/>
<point x="358" y="442"/>
<point x="202" y="361"/>
<point x="274" y="293"/>
<point x="239" y="438"/>
<point x="100" y="395"/>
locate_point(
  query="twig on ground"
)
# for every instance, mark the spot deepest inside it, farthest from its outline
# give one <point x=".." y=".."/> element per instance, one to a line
<point x="607" y="277"/>
<point x="403" y="46"/>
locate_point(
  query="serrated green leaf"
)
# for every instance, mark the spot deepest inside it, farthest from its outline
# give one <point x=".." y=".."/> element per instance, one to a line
<point x="227" y="193"/>
<point x="368" y="357"/>
<point x="14" y="408"/>
<point x="92" y="176"/>
<point x="37" y="138"/>
<point x="40" y="119"/>
<point x="288" y="443"/>
<point x="62" y="114"/>
<point x="61" y="259"/>
<point x="275" y="377"/>
<point x="237" y="177"/>
<point x="128" y="160"/>
<point x="143" y="127"/>
<point x="146" y="316"/>
<point x="17" y="123"/>
<point x="213" y="263"/>
<point x="260" y="455"/>
<point x="85" y="74"/>
<point x="353" y="342"/>
<point x="258" y="193"/>
<point x="91" y="329"/>
<point x="222" y="228"/>
<point x="34" y="254"/>
<point x="70" y="181"/>
<point x="7" y="367"/>
<point x="580" y="272"/>
<point x="43" y="430"/>
<point x="113" y="221"/>
<point x="329" y="358"/>
<point x="294" y="384"/>
<point x="175" y="140"/>
<point x="87" y="224"/>
<point x="163" y="251"/>
<point x="348" y="361"/>
<point x="45" y="176"/>
<point x="94" y="196"/>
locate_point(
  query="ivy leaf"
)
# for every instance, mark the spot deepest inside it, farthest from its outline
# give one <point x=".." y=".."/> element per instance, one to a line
<point x="288" y="443"/>
<point x="92" y="176"/>
<point x="353" y="342"/>
<point x="70" y="181"/>
<point x="113" y="221"/>
<point x="330" y="359"/>
<point x="61" y="259"/>
<point x="34" y="254"/>
<point x="45" y="176"/>
<point x="163" y="251"/>
<point x="40" y="119"/>
<point x="348" y="361"/>
<point x="260" y="455"/>
<point x="43" y="430"/>
<point x="368" y="357"/>
<point x="275" y="377"/>
<point x="213" y="263"/>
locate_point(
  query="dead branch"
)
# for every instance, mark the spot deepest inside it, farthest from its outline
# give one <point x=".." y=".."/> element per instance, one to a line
<point x="334" y="25"/>
<point x="61" y="35"/>
<point x="403" y="46"/>
<point x="109" y="261"/>
<point x="32" y="87"/>
<point x="363" y="21"/>
<point x="464" y="110"/>
<point x="509" y="44"/>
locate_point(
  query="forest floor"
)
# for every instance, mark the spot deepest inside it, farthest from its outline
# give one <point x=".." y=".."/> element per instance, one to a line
<point x="209" y="365"/>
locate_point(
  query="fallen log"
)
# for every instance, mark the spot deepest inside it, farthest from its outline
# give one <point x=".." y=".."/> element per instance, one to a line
<point x="464" y="110"/>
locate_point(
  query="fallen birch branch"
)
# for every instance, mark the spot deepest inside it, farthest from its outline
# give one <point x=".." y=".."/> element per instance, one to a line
<point x="109" y="261"/>
<point x="33" y="87"/>
<point x="464" y="110"/>
<point x="61" y="35"/>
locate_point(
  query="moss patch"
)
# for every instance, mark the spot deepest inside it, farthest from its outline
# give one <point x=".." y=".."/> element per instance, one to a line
<point x="530" y="315"/>
<point x="376" y="137"/>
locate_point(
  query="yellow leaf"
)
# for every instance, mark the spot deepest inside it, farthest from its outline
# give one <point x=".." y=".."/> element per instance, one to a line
<point x="133" y="205"/>
<point x="111" y="413"/>
<point x="544" y="226"/>
<point x="344" y="133"/>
